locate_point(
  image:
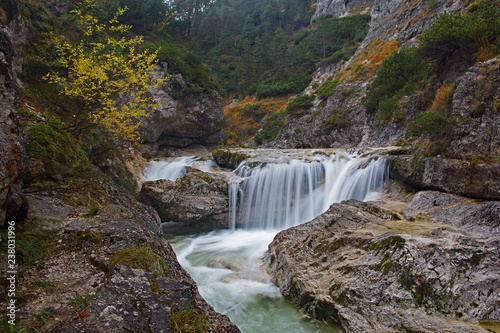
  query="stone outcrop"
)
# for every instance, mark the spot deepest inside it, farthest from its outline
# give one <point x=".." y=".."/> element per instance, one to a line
<point x="109" y="268"/>
<point x="471" y="179"/>
<point x="183" y="116"/>
<point x="12" y="203"/>
<point x="476" y="106"/>
<point x="371" y="269"/>
<point x="199" y="198"/>
<point x="340" y="8"/>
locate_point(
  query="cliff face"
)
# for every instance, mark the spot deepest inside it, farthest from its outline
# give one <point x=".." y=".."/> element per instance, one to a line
<point x="394" y="25"/>
<point x="12" y="202"/>
<point x="183" y="117"/>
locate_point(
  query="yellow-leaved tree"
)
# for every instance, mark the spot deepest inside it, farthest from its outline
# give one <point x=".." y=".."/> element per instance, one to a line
<point x="106" y="71"/>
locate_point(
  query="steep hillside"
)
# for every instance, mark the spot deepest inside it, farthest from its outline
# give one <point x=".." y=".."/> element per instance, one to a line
<point x="343" y="118"/>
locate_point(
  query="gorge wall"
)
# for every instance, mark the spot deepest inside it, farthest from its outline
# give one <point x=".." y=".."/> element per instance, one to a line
<point x="394" y="25"/>
<point x="13" y="205"/>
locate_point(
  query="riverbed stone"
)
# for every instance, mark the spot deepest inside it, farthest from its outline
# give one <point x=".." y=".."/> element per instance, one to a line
<point x="355" y="267"/>
<point x="199" y="198"/>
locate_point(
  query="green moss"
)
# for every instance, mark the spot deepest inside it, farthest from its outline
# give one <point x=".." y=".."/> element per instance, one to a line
<point x="144" y="257"/>
<point x="60" y="154"/>
<point x="188" y="320"/>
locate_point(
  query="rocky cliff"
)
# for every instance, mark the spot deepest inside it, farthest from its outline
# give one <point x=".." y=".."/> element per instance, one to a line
<point x="342" y="120"/>
<point x="12" y="203"/>
<point x="183" y="117"/>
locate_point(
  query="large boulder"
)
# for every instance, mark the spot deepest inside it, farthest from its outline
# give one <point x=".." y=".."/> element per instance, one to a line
<point x="372" y="270"/>
<point x="12" y="202"/>
<point x="199" y="198"/>
<point x="184" y="116"/>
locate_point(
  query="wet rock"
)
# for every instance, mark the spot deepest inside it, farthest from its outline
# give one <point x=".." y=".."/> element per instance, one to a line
<point x="228" y="159"/>
<point x="12" y="203"/>
<point x="372" y="274"/>
<point x="183" y="117"/>
<point x="200" y="198"/>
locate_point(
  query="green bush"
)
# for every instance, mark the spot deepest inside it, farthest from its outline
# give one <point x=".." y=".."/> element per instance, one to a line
<point x="51" y="143"/>
<point x="475" y="31"/>
<point x="277" y="86"/>
<point x="399" y="69"/>
<point x="434" y="123"/>
<point x="271" y="128"/>
<point x="335" y="122"/>
<point x="299" y="104"/>
<point x="327" y="88"/>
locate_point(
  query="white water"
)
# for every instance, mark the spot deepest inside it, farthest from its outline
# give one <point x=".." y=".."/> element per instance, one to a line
<point x="174" y="169"/>
<point x="279" y="196"/>
<point x="226" y="264"/>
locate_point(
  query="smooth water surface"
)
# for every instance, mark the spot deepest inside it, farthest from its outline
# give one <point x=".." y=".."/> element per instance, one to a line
<point x="226" y="266"/>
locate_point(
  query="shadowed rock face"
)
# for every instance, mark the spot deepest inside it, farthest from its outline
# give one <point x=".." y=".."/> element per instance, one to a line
<point x="12" y="202"/>
<point x="183" y="117"/>
<point x="373" y="270"/>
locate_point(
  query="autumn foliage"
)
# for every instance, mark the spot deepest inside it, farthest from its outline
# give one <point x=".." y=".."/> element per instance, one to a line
<point x="105" y="71"/>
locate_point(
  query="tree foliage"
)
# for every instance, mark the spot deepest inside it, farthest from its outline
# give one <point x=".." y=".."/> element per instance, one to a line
<point x="105" y="71"/>
<point x="477" y="30"/>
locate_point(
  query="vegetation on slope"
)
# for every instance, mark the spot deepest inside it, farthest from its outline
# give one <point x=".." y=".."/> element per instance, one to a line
<point x="473" y="36"/>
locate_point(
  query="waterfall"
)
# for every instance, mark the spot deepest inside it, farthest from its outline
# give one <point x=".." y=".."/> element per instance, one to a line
<point x="282" y="195"/>
<point x="174" y="169"/>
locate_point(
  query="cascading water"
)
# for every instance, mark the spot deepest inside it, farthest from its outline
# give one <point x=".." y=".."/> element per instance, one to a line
<point x="265" y="199"/>
<point x="279" y="196"/>
<point x="174" y="169"/>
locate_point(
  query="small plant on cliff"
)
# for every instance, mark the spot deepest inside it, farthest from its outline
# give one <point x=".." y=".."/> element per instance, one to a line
<point x="105" y="71"/>
<point x="188" y="321"/>
<point x="143" y="257"/>
<point x="299" y="104"/>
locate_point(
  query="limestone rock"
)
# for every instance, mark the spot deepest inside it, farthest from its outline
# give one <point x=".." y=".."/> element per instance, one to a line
<point x="339" y="8"/>
<point x="12" y="202"/>
<point x="199" y="198"/>
<point x="114" y="295"/>
<point x="355" y="267"/>
<point x="476" y="106"/>
<point x="448" y="175"/>
<point x="183" y="117"/>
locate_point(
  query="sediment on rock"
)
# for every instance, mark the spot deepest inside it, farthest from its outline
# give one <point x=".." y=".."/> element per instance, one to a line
<point x="370" y="270"/>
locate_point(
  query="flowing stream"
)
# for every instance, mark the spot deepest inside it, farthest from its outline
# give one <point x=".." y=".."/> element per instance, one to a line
<point x="265" y="198"/>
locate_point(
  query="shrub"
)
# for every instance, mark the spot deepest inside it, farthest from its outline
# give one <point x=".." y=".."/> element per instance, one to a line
<point x="299" y="104"/>
<point x="335" y="122"/>
<point x="271" y="129"/>
<point x="434" y="123"/>
<point x="327" y="88"/>
<point x="401" y="68"/>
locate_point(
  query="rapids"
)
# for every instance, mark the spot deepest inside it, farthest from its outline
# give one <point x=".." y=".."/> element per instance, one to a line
<point x="264" y="199"/>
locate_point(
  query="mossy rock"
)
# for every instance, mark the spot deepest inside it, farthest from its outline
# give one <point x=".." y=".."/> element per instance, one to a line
<point x="228" y="159"/>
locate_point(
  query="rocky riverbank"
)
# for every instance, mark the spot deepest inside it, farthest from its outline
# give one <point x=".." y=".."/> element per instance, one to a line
<point x="426" y="263"/>
<point x="100" y="264"/>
